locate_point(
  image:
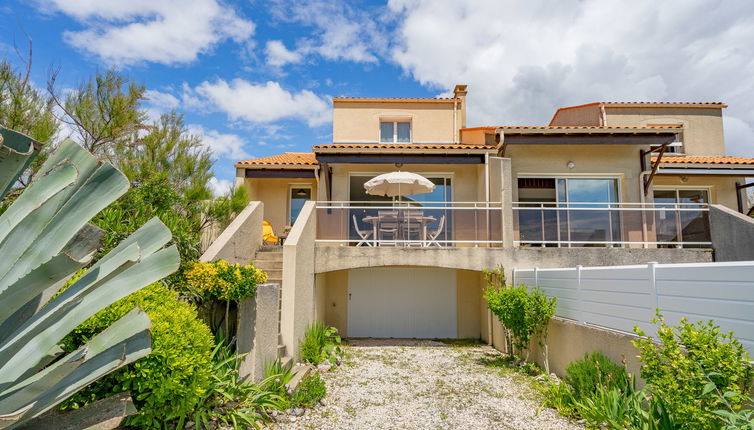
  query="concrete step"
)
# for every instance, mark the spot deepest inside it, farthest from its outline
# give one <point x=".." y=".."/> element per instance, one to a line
<point x="274" y="256"/>
<point x="299" y="372"/>
<point x="269" y="264"/>
<point x="270" y="248"/>
<point x="274" y="274"/>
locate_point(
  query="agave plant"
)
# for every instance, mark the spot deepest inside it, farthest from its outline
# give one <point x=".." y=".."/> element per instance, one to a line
<point x="44" y="239"/>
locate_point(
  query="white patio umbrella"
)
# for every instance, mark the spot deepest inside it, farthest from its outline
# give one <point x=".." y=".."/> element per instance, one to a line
<point x="398" y="184"/>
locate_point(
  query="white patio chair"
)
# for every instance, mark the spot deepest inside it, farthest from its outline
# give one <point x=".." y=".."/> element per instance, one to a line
<point x="433" y="235"/>
<point x="412" y="227"/>
<point x="388" y="226"/>
<point x="364" y="235"/>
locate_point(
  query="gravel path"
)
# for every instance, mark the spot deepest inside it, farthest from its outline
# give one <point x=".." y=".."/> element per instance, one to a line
<point x="394" y="384"/>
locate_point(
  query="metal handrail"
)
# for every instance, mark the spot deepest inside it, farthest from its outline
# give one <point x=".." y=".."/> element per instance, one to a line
<point x="613" y="204"/>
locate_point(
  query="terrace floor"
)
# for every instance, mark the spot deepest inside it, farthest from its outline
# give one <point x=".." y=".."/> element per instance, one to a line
<point x="422" y="384"/>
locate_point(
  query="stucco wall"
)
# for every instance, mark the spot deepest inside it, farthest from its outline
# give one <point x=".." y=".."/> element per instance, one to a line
<point x="732" y="234"/>
<point x="468" y="313"/>
<point x="273" y="192"/>
<point x="298" y="295"/>
<point x="722" y="188"/>
<point x="621" y="161"/>
<point x="239" y="241"/>
<point x="334" y="294"/>
<point x="360" y="122"/>
<point x="703" y="128"/>
<point x="569" y="340"/>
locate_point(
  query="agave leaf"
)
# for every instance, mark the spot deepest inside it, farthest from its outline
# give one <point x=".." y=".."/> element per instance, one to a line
<point x="104" y="186"/>
<point x="32" y="225"/>
<point x="35" y="195"/>
<point x="62" y="304"/>
<point x="74" y="153"/>
<point x="123" y="342"/>
<point x="40" y="334"/>
<point x="17" y="152"/>
<point x="37" y="281"/>
<point x="82" y="247"/>
<point x="150" y="237"/>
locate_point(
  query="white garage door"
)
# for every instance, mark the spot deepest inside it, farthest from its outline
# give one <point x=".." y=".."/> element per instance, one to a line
<point x="402" y="302"/>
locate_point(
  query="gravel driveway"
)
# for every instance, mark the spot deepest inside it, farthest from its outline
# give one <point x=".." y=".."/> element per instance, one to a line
<point x="408" y="384"/>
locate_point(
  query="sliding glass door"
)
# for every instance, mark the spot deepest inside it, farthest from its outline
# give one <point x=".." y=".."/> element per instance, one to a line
<point x="588" y="218"/>
<point x="574" y="211"/>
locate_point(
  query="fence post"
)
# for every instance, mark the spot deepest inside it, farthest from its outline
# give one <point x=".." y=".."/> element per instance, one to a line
<point x="536" y="277"/>
<point x="652" y="268"/>
<point x="580" y="300"/>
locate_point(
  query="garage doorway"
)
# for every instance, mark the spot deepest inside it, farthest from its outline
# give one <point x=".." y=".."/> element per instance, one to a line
<point x="402" y="302"/>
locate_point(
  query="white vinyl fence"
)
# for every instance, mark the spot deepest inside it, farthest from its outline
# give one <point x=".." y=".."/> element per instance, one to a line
<point x="619" y="297"/>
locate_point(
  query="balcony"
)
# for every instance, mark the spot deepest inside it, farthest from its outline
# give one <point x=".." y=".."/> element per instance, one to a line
<point x="542" y="224"/>
<point x="416" y="224"/>
<point x="611" y="224"/>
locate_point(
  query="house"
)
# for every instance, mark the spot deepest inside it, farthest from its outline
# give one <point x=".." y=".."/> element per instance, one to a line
<point x="603" y="183"/>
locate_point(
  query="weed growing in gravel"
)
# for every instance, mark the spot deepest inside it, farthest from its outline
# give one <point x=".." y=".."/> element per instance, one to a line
<point x="510" y="363"/>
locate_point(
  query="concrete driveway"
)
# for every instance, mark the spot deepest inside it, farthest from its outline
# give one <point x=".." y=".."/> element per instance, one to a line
<point x="410" y="384"/>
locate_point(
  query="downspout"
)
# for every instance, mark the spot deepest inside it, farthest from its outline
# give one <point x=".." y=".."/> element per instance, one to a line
<point x="603" y="114"/>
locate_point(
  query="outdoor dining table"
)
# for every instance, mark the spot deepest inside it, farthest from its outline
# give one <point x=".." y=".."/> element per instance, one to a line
<point x="421" y="220"/>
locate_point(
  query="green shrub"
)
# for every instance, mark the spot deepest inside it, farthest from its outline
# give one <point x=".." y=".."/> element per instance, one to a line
<point x="689" y="365"/>
<point x="166" y="384"/>
<point x="595" y="370"/>
<point x="233" y="402"/>
<point x="525" y="313"/>
<point x="558" y="395"/>
<point x="310" y="391"/>
<point x="320" y="343"/>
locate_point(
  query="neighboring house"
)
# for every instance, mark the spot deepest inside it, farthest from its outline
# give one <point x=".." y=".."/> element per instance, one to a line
<point x="604" y="183"/>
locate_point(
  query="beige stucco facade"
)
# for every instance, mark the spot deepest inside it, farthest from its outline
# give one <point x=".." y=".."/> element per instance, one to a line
<point x="702" y="128"/>
<point x="274" y="194"/>
<point x="609" y="161"/>
<point x="722" y="189"/>
<point x="431" y="122"/>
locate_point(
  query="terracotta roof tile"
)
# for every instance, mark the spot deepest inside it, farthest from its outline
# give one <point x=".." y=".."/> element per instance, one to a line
<point x="571" y="127"/>
<point x="400" y="146"/>
<point x="289" y="158"/>
<point x="661" y="104"/>
<point x="395" y="99"/>
<point x="688" y="159"/>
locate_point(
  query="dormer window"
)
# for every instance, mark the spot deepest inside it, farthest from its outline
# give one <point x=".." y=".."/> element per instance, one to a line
<point x="395" y="131"/>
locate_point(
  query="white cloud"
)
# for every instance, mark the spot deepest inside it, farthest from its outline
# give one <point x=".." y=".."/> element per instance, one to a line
<point x="220" y="187"/>
<point x="162" y="100"/>
<point x="222" y="145"/>
<point x="263" y="103"/>
<point x="522" y="60"/>
<point x="278" y="55"/>
<point x="160" y="31"/>
<point x="340" y="32"/>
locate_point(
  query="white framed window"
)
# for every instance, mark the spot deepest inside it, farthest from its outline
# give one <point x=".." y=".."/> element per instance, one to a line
<point x="298" y="194"/>
<point x="398" y="131"/>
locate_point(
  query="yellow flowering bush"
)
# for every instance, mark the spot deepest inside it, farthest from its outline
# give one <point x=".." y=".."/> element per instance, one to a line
<point x="222" y="280"/>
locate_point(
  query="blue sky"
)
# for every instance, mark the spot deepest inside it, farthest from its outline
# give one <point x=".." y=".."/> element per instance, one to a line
<point x="255" y="78"/>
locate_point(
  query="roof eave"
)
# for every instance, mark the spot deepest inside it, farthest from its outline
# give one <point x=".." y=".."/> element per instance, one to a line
<point x="276" y="166"/>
